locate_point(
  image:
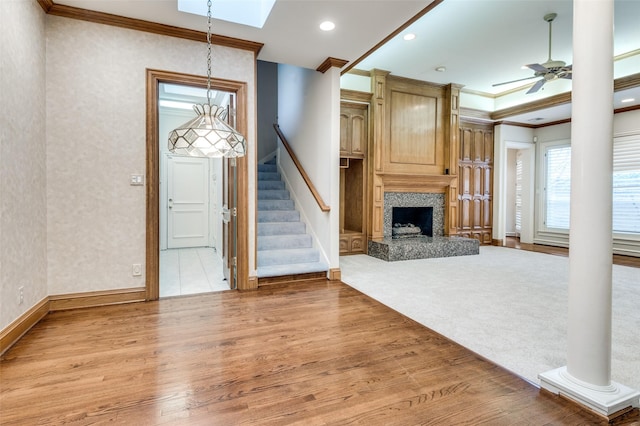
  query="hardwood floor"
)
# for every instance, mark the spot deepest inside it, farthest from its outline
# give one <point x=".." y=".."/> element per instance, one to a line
<point x="514" y="242"/>
<point x="312" y="353"/>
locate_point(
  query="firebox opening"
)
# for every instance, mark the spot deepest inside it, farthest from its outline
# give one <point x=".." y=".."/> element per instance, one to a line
<point x="412" y="221"/>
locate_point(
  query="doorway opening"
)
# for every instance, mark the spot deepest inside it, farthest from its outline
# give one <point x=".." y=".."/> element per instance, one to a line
<point x="192" y="234"/>
<point x="191" y="202"/>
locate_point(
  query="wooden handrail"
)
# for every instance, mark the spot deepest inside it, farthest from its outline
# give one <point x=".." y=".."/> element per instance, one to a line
<point x="312" y="188"/>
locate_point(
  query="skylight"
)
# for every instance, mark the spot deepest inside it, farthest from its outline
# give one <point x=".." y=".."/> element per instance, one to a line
<point x="246" y="12"/>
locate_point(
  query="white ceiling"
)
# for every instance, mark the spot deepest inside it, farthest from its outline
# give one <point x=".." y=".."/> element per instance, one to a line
<point x="291" y="34"/>
<point x="479" y="42"/>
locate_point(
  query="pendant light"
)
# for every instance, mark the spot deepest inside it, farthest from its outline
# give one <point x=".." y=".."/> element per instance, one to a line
<point x="207" y="135"/>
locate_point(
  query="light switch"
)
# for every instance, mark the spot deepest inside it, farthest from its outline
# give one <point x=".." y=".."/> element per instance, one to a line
<point x="137" y="180"/>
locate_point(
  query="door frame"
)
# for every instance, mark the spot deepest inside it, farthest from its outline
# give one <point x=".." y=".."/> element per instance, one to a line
<point x="152" y="269"/>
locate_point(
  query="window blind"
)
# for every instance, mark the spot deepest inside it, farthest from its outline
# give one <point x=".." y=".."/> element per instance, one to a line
<point x="626" y="184"/>
<point x="557" y="186"/>
<point x="518" y="193"/>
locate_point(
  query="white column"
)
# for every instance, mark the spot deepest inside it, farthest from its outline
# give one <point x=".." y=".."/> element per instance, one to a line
<point x="587" y="376"/>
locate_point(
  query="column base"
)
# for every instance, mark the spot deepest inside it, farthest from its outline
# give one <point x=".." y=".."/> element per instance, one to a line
<point x="604" y="400"/>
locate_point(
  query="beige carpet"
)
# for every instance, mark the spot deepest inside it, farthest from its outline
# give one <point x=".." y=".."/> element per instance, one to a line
<point x="507" y="305"/>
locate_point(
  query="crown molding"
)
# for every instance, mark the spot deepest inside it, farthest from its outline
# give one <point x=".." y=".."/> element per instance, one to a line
<point x="331" y="62"/>
<point x="64" y="11"/>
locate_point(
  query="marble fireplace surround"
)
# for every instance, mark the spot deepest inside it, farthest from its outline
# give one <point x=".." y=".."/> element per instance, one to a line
<point x="414" y="199"/>
<point x="390" y="249"/>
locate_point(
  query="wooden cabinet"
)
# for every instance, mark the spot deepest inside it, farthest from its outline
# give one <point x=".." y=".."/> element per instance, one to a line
<point x="354" y="137"/>
<point x="354" y="130"/>
<point x="475" y="171"/>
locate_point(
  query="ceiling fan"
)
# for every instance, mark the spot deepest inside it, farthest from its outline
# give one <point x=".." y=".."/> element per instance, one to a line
<point x="549" y="70"/>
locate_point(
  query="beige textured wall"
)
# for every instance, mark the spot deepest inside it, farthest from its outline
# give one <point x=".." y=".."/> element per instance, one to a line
<point x="23" y="255"/>
<point x="96" y="139"/>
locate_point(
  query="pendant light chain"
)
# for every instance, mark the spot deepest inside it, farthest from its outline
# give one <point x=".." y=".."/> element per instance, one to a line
<point x="209" y="134"/>
<point x="209" y="52"/>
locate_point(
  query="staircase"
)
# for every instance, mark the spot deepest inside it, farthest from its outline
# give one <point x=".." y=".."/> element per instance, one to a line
<point x="284" y="247"/>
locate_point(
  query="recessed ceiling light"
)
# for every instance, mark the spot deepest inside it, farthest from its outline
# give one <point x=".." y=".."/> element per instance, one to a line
<point x="627" y="100"/>
<point x="441" y="69"/>
<point x="409" y="36"/>
<point x="327" y="26"/>
<point x="535" y="119"/>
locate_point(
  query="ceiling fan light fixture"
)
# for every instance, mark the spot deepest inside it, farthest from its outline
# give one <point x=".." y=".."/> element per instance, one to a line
<point x="547" y="71"/>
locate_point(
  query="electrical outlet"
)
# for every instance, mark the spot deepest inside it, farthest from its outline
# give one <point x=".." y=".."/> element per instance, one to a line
<point x="20" y="295"/>
<point x="136" y="270"/>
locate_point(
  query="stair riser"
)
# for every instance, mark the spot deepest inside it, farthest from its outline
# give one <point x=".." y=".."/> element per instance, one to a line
<point x="270" y="184"/>
<point x="279" y="242"/>
<point x="292" y="228"/>
<point x="275" y="257"/>
<point x="268" y="176"/>
<point x="276" y="205"/>
<point x="270" y="194"/>
<point x="268" y="168"/>
<point x="266" y="216"/>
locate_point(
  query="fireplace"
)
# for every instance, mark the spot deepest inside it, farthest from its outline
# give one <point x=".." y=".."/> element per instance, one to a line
<point x="416" y="202"/>
<point x="424" y="211"/>
<point x="410" y="222"/>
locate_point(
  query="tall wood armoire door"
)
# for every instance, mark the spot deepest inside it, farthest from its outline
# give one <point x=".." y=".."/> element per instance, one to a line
<point x="475" y="186"/>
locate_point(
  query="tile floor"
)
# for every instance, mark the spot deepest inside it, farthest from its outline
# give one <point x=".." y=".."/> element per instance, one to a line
<point x="190" y="271"/>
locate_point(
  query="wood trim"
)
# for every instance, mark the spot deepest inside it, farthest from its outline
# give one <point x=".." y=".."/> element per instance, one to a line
<point x="303" y="173"/>
<point x="154" y="78"/>
<point x="356" y="71"/>
<point x="254" y="282"/>
<point x="292" y="278"/>
<point x="335" y="274"/>
<point x="46" y="5"/>
<point x="621" y="83"/>
<point x="626" y="109"/>
<point x="416" y="183"/>
<point x="417" y="16"/>
<point x="497" y="242"/>
<point x="330" y="63"/>
<point x="355" y="96"/>
<point x="551" y="101"/>
<point x="146" y="26"/>
<point x="92" y="299"/>
<point x="627" y="82"/>
<point x="472" y="114"/>
<point x="14" y="331"/>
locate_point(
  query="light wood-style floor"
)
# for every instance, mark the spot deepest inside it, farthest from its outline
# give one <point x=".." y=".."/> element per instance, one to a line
<point x="311" y="353"/>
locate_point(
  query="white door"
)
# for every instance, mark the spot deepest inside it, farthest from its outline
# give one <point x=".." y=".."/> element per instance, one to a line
<point x="187" y="202"/>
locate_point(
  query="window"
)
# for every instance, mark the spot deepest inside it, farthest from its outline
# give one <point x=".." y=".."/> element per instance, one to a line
<point x="518" y="193"/>
<point x="626" y="185"/>
<point x="557" y="186"/>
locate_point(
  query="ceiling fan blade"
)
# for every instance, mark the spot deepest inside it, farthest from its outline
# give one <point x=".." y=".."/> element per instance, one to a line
<point x="537" y="86"/>
<point x="513" y="81"/>
<point x="566" y="72"/>
<point x="537" y="68"/>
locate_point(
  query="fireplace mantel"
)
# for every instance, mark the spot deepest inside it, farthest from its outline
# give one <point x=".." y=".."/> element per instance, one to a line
<point x="396" y="182"/>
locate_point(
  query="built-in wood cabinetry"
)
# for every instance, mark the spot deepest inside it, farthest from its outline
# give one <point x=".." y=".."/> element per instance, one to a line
<point x="414" y="144"/>
<point x="475" y="170"/>
<point x="354" y="130"/>
<point x="354" y="138"/>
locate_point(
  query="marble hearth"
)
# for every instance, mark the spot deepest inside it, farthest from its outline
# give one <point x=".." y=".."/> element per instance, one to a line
<point x="419" y="247"/>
